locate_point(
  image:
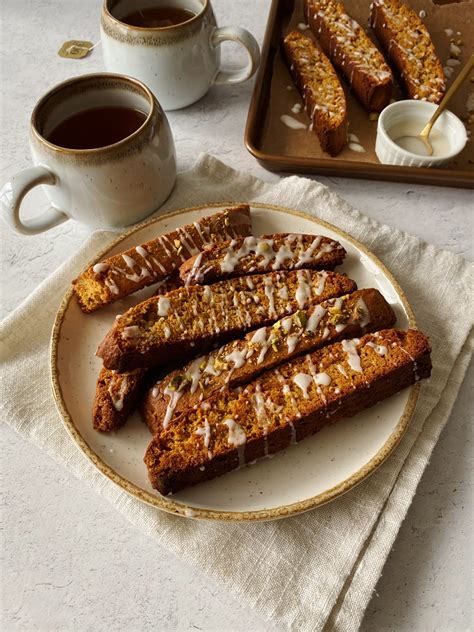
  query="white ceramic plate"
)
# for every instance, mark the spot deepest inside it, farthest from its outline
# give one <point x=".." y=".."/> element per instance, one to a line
<point x="301" y="477"/>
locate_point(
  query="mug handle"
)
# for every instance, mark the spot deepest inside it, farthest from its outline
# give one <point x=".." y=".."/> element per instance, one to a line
<point x="245" y="39"/>
<point x="12" y="194"/>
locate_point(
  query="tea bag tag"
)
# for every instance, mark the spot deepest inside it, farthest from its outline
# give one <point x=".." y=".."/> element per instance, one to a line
<point x="75" y="49"/>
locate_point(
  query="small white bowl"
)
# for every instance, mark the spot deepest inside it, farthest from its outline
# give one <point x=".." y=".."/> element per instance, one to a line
<point x="419" y="113"/>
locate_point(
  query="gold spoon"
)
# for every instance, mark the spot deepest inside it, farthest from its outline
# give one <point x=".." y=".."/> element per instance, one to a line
<point x="423" y="136"/>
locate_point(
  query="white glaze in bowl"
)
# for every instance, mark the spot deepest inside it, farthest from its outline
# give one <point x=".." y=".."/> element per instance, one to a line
<point x="448" y="125"/>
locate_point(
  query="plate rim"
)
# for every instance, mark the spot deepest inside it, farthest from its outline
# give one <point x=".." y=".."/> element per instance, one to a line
<point x="166" y="503"/>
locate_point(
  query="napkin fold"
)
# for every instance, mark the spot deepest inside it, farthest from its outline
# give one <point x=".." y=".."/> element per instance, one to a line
<point x="315" y="571"/>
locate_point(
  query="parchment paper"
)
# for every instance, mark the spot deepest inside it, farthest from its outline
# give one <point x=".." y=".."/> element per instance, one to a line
<point x="277" y="138"/>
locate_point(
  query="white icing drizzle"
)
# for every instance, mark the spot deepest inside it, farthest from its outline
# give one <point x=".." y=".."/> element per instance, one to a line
<point x="303" y="380"/>
<point x="303" y="291"/>
<point x="237" y="438"/>
<point x="291" y="122"/>
<point x="100" y="267"/>
<point x="194" y="270"/>
<point x="342" y="370"/>
<point x="291" y="342"/>
<point x="194" y="372"/>
<point x="322" y="379"/>
<point x="322" y="283"/>
<point x="308" y="255"/>
<point x="364" y="312"/>
<point x="269" y="293"/>
<point x="205" y="432"/>
<point x="133" y="331"/>
<point x="237" y="357"/>
<point x="287" y="393"/>
<point x="163" y="306"/>
<point x="380" y="349"/>
<point x="259" y="336"/>
<point x="318" y="378"/>
<point x="174" y="396"/>
<point x="117" y="396"/>
<point x="197" y="226"/>
<point x="315" y="318"/>
<point x="111" y="285"/>
<point x="353" y="359"/>
<point x="261" y="414"/>
<point x="356" y="147"/>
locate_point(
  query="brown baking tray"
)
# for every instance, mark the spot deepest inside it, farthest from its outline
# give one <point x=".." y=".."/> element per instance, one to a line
<point x="278" y="148"/>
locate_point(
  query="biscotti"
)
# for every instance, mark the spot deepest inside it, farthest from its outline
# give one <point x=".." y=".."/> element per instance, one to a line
<point x="351" y="50"/>
<point x="408" y="45"/>
<point x="284" y="406"/>
<point x="252" y="255"/>
<point x="320" y="89"/>
<point x="190" y="320"/>
<point x="153" y="261"/>
<point x="241" y="361"/>
<point x="116" y="397"/>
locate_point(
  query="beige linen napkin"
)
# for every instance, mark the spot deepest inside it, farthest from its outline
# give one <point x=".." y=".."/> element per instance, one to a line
<point x="312" y="571"/>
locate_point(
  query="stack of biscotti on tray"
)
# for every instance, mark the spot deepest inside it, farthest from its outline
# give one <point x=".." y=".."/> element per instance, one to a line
<point x="259" y="344"/>
<point x="337" y="41"/>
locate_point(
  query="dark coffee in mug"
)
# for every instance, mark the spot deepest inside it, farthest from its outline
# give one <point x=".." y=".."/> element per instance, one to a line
<point x="157" y="17"/>
<point x="97" y="127"/>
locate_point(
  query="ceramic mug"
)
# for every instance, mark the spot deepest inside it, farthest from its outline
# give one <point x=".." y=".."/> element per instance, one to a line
<point x="104" y="187"/>
<point x="179" y="62"/>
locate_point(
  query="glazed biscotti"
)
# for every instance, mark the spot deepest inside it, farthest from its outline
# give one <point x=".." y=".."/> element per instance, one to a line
<point x="320" y="89"/>
<point x="285" y="405"/>
<point x="351" y="50"/>
<point x="153" y="261"/>
<point x="116" y="397"/>
<point x="252" y="255"/>
<point x="408" y="45"/>
<point x="241" y="361"/>
<point x="190" y="320"/>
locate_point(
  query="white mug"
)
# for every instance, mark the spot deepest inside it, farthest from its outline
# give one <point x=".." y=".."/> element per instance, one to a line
<point x="104" y="187"/>
<point x="179" y="63"/>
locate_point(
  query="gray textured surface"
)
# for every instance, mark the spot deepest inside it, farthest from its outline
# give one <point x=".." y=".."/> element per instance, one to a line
<point x="72" y="562"/>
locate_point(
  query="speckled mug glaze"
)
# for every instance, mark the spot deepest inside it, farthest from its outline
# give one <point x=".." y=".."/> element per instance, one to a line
<point x="105" y="187"/>
<point x="178" y="63"/>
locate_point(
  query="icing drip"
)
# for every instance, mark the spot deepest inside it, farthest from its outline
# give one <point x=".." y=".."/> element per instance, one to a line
<point x="117" y="396"/>
<point x="237" y="438"/>
<point x="303" y="291"/>
<point x="380" y="349"/>
<point x="291" y="342"/>
<point x="322" y="282"/>
<point x="363" y="310"/>
<point x="315" y="318"/>
<point x="163" y="306"/>
<point x="308" y="255"/>
<point x="205" y="432"/>
<point x="131" y="332"/>
<point x="353" y="359"/>
<point x="318" y="378"/>
<point x="174" y="396"/>
<point x="111" y="285"/>
<point x="342" y="370"/>
<point x="269" y="293"/>
<point x="303" y="381"/>
<point x="261" y="413"/>
<point x="237" y="357"/>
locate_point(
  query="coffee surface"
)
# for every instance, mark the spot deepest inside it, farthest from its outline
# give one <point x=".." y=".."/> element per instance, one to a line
<point x="97" y="127"/>
<point x="157" y="17"/>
